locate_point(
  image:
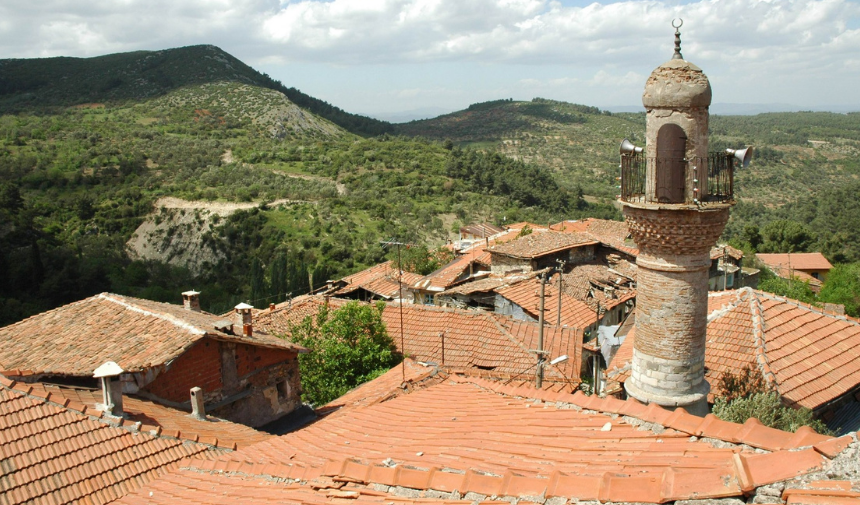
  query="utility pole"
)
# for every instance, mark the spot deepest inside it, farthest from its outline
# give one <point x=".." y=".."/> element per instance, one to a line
<point x="400" y="297"/>
<point x="560" y="269"/>
<point x="539" y="376"/>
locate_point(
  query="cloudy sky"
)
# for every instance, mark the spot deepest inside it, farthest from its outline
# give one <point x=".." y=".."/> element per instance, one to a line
<point x="387" y="56"/>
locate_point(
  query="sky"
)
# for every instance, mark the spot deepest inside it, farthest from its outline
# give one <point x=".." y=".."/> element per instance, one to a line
<point x="386" y="57"/>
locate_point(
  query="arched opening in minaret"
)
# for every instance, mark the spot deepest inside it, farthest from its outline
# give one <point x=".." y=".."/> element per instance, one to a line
<point x="671" y="164"/>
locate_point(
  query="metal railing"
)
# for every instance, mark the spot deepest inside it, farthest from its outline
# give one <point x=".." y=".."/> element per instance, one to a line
<point x="713" y="180"/>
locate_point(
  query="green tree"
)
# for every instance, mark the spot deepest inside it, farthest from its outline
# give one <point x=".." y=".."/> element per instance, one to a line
<point x="795" y="288"/>
<point x="348" y="346"/>
<point x="786" y="236"/>
<point x="843" y="286"/>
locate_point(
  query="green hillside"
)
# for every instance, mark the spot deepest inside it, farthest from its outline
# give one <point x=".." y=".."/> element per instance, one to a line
<point x="39" y="83"/>
<point x="106" y="195"/>
<point x="805" y="167"/>
<point x="150" y="173"/>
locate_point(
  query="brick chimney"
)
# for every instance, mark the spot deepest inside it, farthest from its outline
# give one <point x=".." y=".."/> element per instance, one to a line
<point x="111" y="389"/>
<point x="191" y="300"/>
<point x="244" y="310"/>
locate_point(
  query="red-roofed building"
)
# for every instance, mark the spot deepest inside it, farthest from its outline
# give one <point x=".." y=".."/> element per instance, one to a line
<point x="540" y="250"/>
<point x="808" y="267"/>
<point x="379" y="282"/>
<point x="164" y="350"/>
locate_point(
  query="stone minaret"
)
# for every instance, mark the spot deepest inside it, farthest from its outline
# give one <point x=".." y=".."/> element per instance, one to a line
<point x="676" y="210"/>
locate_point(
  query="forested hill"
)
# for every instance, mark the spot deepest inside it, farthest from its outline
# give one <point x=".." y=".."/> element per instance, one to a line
<point x="28" y="84"/>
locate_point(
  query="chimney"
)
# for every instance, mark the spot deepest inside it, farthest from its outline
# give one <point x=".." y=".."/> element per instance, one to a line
<point x="191" y="300"/>
<point x="271" y="307"/>
<point x="111" y="390"/>
<point x="245" y="310"/>
<point x="198" y="411"/>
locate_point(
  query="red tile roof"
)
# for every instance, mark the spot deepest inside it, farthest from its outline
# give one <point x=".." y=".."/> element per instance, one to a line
<point x="526" y="294"/>
<point x="481" y="230"/>
<point x="535" y="245"/>
<point x="456" y="271"/>
<point x="718" y="252"/>
<point x="824" y="492"/>
<point x="58" y="451"/>
<point x="610" y="233"/>
<point x="455" y="338"/>
<point x="382" y="280"/>
<point x="809" y="355"/>
<point x="474" y="435"/>
<point x="221" y="482"/>
<point x="137" y="334"/>
<point x="401" y="379"/>
<point x="795" y="261"/>
<point x="158" y="419"/>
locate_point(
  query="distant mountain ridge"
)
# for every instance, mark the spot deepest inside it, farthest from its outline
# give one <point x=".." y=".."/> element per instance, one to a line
<point x="27" y="84"/>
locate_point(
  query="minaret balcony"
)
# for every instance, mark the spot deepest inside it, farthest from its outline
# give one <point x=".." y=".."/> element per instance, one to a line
<point x="684" y="182"/>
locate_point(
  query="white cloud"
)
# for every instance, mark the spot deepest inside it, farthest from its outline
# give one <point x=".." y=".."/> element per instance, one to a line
<point x="764" y="45"/>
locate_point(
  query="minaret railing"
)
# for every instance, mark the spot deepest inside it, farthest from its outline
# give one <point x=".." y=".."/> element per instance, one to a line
<point x="713" y="179"/>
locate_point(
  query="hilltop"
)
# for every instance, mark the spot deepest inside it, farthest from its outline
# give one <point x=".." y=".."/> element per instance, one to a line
<point x="39" y="83"/>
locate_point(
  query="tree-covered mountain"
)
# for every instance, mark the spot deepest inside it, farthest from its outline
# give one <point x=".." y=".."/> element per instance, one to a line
<point x="224" y="186"/>
<point x="150" y="173"/>
<point x="28" y="84"/>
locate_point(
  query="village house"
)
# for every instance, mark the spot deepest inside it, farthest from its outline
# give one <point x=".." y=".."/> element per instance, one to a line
<point x="379" y="282"/>
<point x="807" y="267"/>
<point x="164" y="351"/>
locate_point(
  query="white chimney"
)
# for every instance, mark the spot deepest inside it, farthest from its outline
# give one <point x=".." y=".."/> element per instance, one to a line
<point x="111" y="390"/>
<point x="191" y="300"/>
<point x="198" y="411"/>
<point x="245" y="310"/>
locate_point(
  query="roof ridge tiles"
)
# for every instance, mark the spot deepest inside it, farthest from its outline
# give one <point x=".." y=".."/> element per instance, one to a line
<point x="759" y="339"/>
<point x="164" y="317"/>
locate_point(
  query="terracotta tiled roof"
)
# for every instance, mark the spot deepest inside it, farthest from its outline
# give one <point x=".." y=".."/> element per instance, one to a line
<point x="477" y="436"/>
<point x="718" y="251"/>
<point x="401" y="379"/>
<point x="457" y="270"/>
<point x="526" y="294"/>
<point x="159" y="419"/>
<point x="382" y="280"/>
<point x="535" y="245"/>
<point x="824" y="492"/>
<point x="807" y="354"/>
<point x="137" y="334"/>
<point x="610" y="233"/>
<point x="58" y="451"/>
<point x="454" y="337"/>
<point x="479" y="286"/>
<point x="220" y="482"/>
<point x="481" y="230"/>
<point x="795" y="261"/>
